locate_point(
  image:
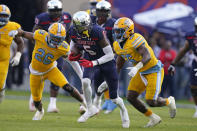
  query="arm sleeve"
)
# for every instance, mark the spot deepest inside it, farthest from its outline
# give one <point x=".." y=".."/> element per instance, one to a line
<point x="108" y="55"/>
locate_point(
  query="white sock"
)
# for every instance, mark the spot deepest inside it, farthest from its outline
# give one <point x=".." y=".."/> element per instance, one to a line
<point x="53" y="101"/>
<point x="87" y="91"/>
<point x="196" y="108"/>
<point x="97" y="99"/>
<point x="31" y="99"/>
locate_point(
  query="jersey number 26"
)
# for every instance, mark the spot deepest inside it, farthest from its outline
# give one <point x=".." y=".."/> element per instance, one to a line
<point x="43" y="57"/>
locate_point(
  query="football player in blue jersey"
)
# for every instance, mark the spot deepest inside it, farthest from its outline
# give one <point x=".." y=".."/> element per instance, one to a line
<point x="98" y="62"/>
<point x="104" y="19"/>
<point x="92" y="4"/>
<point x="190" y="44"/>
<point x="43" y="21"/>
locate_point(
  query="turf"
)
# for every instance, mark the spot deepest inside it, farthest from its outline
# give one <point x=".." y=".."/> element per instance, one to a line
<point x="15" y="116"/>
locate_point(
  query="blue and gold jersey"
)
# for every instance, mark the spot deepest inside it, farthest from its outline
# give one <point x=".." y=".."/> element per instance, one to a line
<point x="6" y="40"/>
<point x="129" y="53"/>
<point x="44" y="56"/>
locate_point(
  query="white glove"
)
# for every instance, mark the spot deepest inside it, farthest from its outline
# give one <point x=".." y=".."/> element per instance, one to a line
<point x="13" y="33"/>
<point x="133" y="70"/>
<point x="16" y="59"/>
<point x="102" y="87"/>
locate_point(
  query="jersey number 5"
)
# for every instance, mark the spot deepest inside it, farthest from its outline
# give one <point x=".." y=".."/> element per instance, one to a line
<point x="43" y="57"/>
<point x="87" y="49"/>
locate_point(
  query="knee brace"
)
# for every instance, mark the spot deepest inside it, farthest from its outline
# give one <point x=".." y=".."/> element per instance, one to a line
<point x="68" y="88"/>
<point x="194" y="92"/>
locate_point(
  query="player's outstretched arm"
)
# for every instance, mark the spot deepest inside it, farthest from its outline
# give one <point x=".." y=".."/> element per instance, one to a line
<point x="20" y="45"/>
<point x="181" y="53"/>
<point x="145" y="59"/>
<point x="107" y="49"/>
<point x="25" y="34"/>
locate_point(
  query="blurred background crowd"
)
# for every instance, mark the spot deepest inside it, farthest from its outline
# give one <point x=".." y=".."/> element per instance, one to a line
<point x="163" y="23"/>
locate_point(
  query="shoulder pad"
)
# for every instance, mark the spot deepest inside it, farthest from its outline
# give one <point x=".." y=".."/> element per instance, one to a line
<point x="14" y="25"/>
<point x="40" y="34"/>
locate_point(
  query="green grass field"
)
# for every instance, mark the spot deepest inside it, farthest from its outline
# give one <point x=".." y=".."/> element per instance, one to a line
<point x="15" y="116"/>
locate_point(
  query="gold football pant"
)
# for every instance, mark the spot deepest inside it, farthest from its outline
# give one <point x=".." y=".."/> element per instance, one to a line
<point x="149" y="82"/>
<point x="3" y="72"/>
<point x="37" y="82"/>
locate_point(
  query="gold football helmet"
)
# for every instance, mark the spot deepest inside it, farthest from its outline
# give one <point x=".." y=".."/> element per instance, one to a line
<point x="4" y="14"/>
<point x="123" y="29"/>
<point x="57" y="34"/>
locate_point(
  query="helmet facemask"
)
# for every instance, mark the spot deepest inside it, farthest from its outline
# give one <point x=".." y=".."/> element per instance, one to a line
<point x="55" y="41"/>
<point x="55" y="13"/>
<point x="54" y="8"/>
<point x="118" y="34"/>
<point x="103" y="11"/>
<point x="82" y="23"/>
<point x="102" y="15"/>
<point x="4" y="18"/>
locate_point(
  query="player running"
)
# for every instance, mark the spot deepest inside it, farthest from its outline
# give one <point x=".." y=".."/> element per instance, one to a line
<point x="43" y="21"/>
<point x="49" y="46"/>
<point x="190" y="44"/>
<point x="98" y="62"/>
<point x="7" y="26"/>
<point x="146" y="73"/>
<point x="104" y="19"/>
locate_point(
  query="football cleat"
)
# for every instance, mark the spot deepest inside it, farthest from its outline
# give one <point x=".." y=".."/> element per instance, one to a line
<point x="52" y="108"/>
<point x="89" y="113"/>
<point x="38" y="115"/>
<point x="104" y="106"/>
<point x="154" y="120"/>
<point x="82" y="109"/>
<point x="110" y="107"/>
<point x="2" y="95"/>
<point x="195" y="115"/>
<point x="125" y="118"/>
<point x="172" y="107"/>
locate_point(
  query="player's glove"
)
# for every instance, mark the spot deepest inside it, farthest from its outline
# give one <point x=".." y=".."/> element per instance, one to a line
<point x="13" y="33"/>
<point x="87" y="64"/>
<point x="16" y="59"/>
<point x="133" y="70"/>
<point x="171" y="69"/>
<point x="71" y="57"/>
